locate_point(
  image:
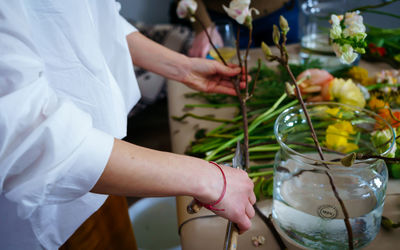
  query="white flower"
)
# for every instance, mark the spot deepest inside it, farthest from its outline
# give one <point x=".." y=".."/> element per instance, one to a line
<point x="345" y="53"/>
<point x="353" y="29"/>
<point x="239" y="10"/>
<point x="335" y="20"/>
<point x="348" y="54"/>
<point x="336" y="30"/>
<point x="354" y="26"/>
<point x="186" y="7"/>
<point x="336" y="48"/>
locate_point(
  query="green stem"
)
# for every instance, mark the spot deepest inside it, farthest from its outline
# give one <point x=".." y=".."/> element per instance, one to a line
<point x="207" y="118"/>
<point x="383" y="13"/>
<point x="209" y="105"/>
<point x="381" y="85"/>
<point x="252" y="126"/>
<point x="264" y="173"/>
<point x="364" y="8"/>
<point x="253" y="168"/>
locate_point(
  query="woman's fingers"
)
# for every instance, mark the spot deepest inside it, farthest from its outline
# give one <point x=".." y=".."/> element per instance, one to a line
<point x="244" y="224"/>
<point x="250" y="211"/>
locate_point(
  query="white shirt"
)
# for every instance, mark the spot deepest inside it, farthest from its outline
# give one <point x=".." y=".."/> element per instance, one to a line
<point x="66" y="86"/>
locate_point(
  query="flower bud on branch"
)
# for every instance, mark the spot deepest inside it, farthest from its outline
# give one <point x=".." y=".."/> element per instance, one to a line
<point x="276" y="35"/>
<point x="284" y="25"/>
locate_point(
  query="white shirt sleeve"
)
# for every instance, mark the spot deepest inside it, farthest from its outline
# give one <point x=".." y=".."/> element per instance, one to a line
<point x="49" y="151"/>
<point x="128" y="28"/>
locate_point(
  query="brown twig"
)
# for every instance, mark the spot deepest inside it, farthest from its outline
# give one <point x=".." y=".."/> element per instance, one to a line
<point x="236" y="83"/>
<point x="256" y="79"/>
<point x="238" y="48"/>
<point x="209" y="39"/>
<point x="245" y="62"/>
<point x="244" y="107"/>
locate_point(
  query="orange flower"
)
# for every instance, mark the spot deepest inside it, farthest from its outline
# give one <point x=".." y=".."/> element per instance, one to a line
<point x="391" y="117"/>
<point x="376" y="104"/>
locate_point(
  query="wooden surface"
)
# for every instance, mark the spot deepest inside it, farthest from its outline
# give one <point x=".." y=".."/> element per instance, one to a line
<point x="207" y="232"/>
<point x="109" y="228"/>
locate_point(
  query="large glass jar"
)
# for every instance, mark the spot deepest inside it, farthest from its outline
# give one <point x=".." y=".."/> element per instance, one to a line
<point x="311" y="196"/>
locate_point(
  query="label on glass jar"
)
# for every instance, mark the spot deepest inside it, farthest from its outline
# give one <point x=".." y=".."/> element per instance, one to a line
<point x="327" y="212"/>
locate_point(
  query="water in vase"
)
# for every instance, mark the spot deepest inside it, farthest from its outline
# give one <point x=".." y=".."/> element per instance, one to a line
<point x="307" y="210"/>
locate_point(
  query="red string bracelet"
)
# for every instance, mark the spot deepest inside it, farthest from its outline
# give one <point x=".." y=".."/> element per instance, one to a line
<point x="210" y="206"/>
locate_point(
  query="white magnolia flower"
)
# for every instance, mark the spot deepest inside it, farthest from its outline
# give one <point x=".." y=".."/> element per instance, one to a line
<point x="186" y="7"/>
<point x="239" y="10"/>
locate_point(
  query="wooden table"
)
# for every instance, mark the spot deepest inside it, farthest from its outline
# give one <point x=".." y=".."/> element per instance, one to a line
<point x="208" y="232"/>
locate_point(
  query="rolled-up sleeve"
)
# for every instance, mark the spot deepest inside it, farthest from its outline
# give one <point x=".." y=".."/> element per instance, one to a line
<point x="49" y="150"/>
<point x="128" y="28"/>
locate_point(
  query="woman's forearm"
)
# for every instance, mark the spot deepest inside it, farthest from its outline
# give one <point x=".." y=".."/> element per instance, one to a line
<point x="136" y="171"/>
<point x="156" y="58"/>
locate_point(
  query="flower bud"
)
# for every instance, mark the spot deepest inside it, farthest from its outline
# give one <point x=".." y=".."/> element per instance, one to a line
<point x="289" y="89"/>
<point x="248" y="22"/>
<point x="348" y="160"/>
<point x="387" y="223"/>
<point x="283" y="24"/>
<point x="276" y="35"/>
<point x="360" y="50"/>
<point x="267" y="51"/>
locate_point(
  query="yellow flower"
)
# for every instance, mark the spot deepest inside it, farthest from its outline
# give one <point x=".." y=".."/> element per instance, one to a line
<point x="345" y="91"/>
<point x="337" y="137"/>
<point x="360" y="75"/>
<point x="334" y="112"/>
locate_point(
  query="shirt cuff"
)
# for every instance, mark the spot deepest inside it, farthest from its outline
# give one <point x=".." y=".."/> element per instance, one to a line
<point x="95" y="151"/>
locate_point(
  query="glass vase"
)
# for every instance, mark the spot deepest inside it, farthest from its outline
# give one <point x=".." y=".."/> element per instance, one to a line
<point x="314" y="199"/>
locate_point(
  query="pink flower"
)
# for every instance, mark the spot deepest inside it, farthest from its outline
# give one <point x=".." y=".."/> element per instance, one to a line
<point x="239" y="10"/>
<point x="315" y="84"/>
<point x="186" y="7"/>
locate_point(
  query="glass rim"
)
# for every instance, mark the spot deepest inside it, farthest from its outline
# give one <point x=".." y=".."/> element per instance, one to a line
<point x="308" y="104"/>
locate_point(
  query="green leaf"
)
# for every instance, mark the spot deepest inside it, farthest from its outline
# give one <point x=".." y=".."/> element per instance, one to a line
<point x="395" y="170"/>
<point x="267" y="187"/>
<point x="257" y="189"/>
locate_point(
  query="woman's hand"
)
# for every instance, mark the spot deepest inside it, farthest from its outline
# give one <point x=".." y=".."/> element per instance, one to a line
<point x="211" y="76"/>
<point x="237" y="204"/>
<point x="197" y="73"/>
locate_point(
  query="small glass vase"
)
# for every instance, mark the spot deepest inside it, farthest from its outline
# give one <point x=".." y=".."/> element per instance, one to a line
<point x="311" y="196"/>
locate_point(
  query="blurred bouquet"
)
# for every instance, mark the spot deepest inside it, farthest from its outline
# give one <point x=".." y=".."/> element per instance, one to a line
<point x="350" y="36"/>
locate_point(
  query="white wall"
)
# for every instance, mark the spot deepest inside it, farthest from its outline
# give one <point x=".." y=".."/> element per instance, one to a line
<point x="148" y="11"/>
